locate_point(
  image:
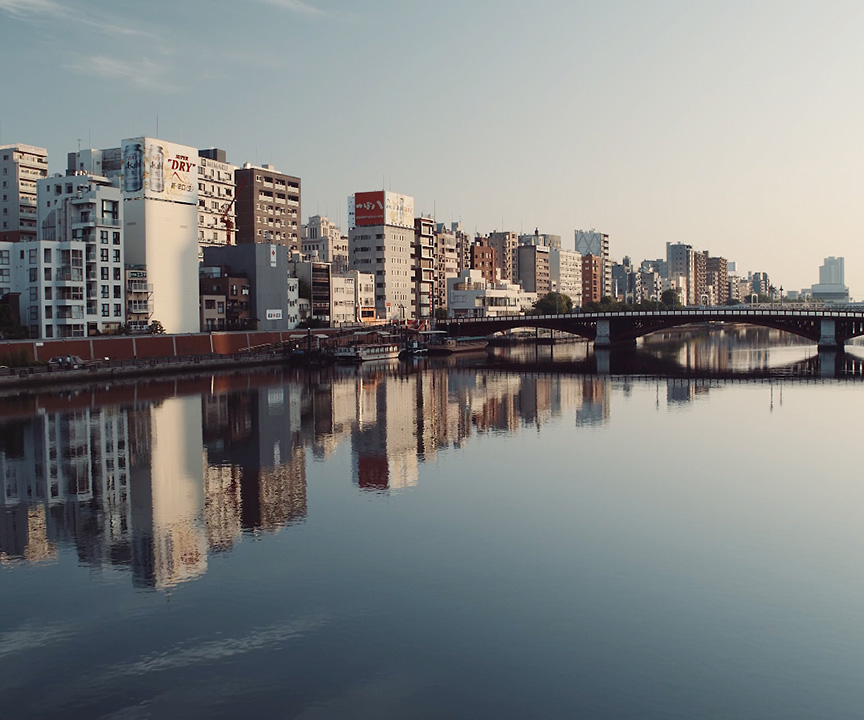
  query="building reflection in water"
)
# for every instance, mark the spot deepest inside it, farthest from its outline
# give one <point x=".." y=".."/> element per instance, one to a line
<point x="154" y="478"/>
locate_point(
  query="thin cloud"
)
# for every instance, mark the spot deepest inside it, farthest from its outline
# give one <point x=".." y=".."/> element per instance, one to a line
<point x="294" y="6"/>
<point x="23" y="8"/>
<point x="144" y="73"/>
<point x="51" y="10"/>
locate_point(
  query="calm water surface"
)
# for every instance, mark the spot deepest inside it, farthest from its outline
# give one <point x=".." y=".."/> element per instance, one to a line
<point x="670" y="533"/>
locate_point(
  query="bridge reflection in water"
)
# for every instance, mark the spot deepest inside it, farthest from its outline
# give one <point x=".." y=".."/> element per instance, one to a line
<point x="830" y="328"/>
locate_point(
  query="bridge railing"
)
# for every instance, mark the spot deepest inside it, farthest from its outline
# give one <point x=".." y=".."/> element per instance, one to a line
<point x="731" y="311"/>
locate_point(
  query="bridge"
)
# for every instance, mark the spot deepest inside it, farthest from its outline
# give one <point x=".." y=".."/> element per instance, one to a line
<point x="829" y="328"/>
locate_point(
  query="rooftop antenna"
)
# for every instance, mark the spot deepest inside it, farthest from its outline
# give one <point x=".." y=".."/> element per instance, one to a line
<point x="79" y="145"/>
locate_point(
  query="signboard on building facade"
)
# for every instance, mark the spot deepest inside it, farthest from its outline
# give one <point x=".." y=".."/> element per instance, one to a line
<point x="159" y="170"/>
<point x="272" y="256"/>
<point x="381" y="207"/>
<point x="274" y="314"/>
<point x="398" y="210"/>
<point x="351" y="219"/>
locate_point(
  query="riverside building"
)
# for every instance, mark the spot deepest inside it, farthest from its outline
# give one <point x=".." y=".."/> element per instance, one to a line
<point x="381" y="242"/>
<point x="159" y="185"/>
<point x="21" y="166"/>
<point x="215" y="200"/>
<point x="268" y="207"/>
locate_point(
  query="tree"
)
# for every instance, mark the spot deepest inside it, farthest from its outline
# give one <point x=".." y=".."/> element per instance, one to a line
<point x="669" y="299"/>
<point x="440" y="313"/>
<point x="156" y="328"/>
<point x="553" y="303"/>
<point x="9" y="329"/>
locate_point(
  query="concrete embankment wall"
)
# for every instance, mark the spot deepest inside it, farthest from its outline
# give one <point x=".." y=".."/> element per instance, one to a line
<point x="129" y="347"/>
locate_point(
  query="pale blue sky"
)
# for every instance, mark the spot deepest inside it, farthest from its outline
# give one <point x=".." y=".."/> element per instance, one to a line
<point x="733" y="126"/>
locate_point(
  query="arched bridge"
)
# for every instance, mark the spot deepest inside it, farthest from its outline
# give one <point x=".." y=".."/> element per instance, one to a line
<point x="830" y="328"/>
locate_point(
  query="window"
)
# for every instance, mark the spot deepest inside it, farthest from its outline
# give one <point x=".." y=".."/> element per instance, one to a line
<point x="116" y="238"/>
<point x="34" y="274"/>
<point x="209" y="304"/>
<point x="106" y="310"/>
<point x="103" y="273"/>
<point x="47" y="274"/>
<point x="103" y="237"/>
<point x="46" y="256"/>
<point x="116" y="273"/>
<point x="117" y="294"/>
<point x="116" y="256"/>
<point x="5" y="276"/>
<point x="220" y="307"/>
<point x="34" y="294"/>
<point x="48" y="293"/>
<point x="118" y="309"/>
<point x="105" y="291"/>
<point x="4" y="257"/>
<point x="49" y="312"/>
<point x="103" y="254"/>
<point x="49" y="331"/>
<point x="31" y="254"/>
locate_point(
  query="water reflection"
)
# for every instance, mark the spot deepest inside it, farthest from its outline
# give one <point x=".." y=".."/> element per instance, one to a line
<point x="153" y="477"/>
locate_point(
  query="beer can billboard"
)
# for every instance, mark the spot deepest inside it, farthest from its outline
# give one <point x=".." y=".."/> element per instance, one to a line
<point x="159" y="170"/>
<point x="382" y="207"/>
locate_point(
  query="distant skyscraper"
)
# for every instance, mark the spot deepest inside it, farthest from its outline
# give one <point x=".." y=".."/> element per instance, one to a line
<point x="832" y="282"/>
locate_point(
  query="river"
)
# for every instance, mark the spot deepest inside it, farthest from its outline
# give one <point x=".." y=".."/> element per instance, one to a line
<point x="538" y="532"/>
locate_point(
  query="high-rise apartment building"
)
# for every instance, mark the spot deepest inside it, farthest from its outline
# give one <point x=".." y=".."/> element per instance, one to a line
<point x="21" y="166"/>
<point x="681" y="263"/>
<point x="424" y="267"/>
<point x="591" y="242"/>
<point x="216" y="204"/>
<point x="533" y="268"/>
<point x="505" y="244"/>
<point x="268" y="207"/>
<point x="717" y="278"/>
<point x="381" y="241"/>
<point x="565" y="273"/>
<point x="446" y="257"/>
<point x="592" y="278"/>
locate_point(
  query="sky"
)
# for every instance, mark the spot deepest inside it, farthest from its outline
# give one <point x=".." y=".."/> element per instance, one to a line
<point x="736" y="127"/>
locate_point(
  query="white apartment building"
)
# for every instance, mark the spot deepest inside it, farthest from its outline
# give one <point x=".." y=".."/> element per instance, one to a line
<point x="21" y="166"/>
<point x="71" y="279"/>
<point x="565" y="274"/>
<point x="343" y="308"/>
<point x="216" y="191"/>
<point x="470" y="295"/>
<point x="323" y="241"/>
<point x="364" y="300"/>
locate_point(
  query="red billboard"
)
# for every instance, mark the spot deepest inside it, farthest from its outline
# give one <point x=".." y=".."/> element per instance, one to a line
<point x="369" y="208"/>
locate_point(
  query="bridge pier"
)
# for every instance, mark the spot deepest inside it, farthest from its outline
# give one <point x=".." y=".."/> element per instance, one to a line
<point x="604" y="339"/>
<point x="828" y="336"/>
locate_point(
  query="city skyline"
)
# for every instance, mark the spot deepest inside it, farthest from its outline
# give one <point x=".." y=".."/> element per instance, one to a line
<point x="723" y="127"/>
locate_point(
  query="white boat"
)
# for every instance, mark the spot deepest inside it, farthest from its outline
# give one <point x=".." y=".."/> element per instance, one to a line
<point x="362" y="353"/>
